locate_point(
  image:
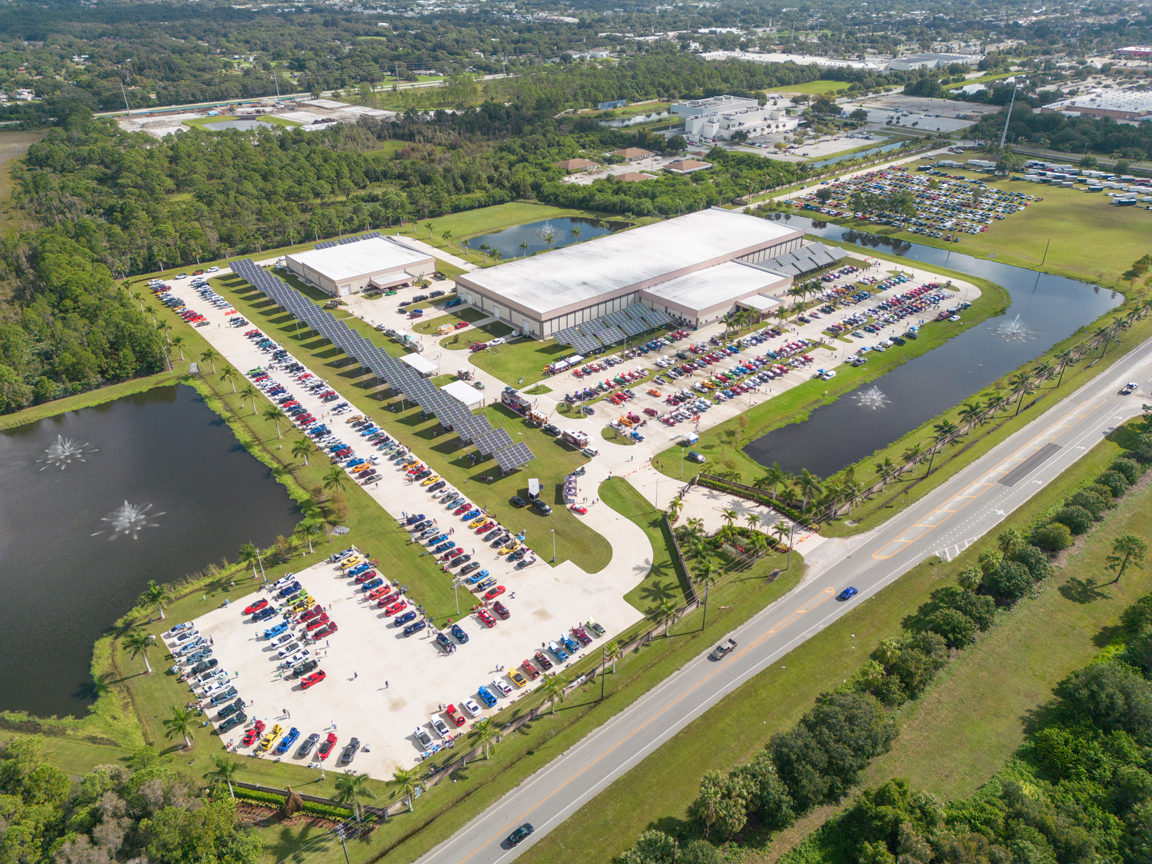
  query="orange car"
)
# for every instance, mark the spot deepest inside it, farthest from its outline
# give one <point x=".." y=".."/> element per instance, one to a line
<point x="652" y="391"/>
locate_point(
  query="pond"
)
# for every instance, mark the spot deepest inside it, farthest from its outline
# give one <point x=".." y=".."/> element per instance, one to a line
<point x="1042" y="312"/>
<point x="237" y="123"/>
<point x="510" y="242"/>
<point x="95" y="503"/>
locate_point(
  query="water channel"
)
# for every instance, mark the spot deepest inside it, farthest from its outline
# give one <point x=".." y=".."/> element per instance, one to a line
<point x="95" y="503"/>
<point x="536" y="234"/>
<point x="1041" y="313"/>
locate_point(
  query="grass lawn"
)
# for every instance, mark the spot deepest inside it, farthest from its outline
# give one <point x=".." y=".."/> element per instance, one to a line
<point x="734" y="730"/>
<point x="539" y="390"/>
<point x="465" y="315"/>
<point x="610" y="434"/>
<point x="813" y="88"/>
<point x="483" y="333"/>
<point x="267" y="118"/>
<point x="446" y="454"/>
<point x="525" y="358"/>
<point x="93" y="397"/>
<point x="13" y="146"/>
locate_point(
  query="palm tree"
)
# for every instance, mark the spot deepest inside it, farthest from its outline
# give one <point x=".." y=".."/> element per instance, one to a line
<point x="249" y="393"/>
<point x="944" y="429"/>
<point x="773" y="477"/>
<point x="1010" y="541"/>
<point x="550" y="238"/>
<point x="306" y="527"/>
<point x="674" y="508"/>
<point x="971" y="412"/>
<point x="335" y="478"/>
<point x="349" y="788"/>
<point x="178" y="343"/>
<point x="910" y="454"/>
<point x="753" y="520"/>
<point x="248" y="552"/>
<point x="552" y="689"/>
<point x="446" y="235"/>
<point x="429" y="226"/>
<point x="302" y="448"/>
<point x="730" y="517"/>
<point x="180" y="723"/>
<point x="524" y="247"/>
<point x="273" y="414"/>
<point x="486" y="733"/>
<point x="210" y="356"/>
<point x="156" y="595"/>
<point x="885" y="468"/>
<point x="575" y="232"/>
<point x="224" y="772"/>
<point x="809" y="486"/>
<point x="667" y="611"/>
<point x="705" y="573"/>
<point x="407" y="783"/>
<point x="781" y="533"/>
<point x="229" y="374"/>
<point x="137" y="644"/>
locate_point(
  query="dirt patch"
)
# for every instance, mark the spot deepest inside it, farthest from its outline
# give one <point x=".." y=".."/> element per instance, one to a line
<point x="258" y="816"/>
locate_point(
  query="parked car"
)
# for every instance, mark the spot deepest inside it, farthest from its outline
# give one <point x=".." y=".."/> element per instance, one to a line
<point x="313" y="679"/>
<point x="327" y="747"/>
<point x="350" y="751"/>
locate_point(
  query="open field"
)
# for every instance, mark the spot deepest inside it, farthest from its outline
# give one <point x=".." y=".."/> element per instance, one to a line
<point x="483" y="333"/>
<point x="812" y="88"/>
<point x="728" y="734"/>
<point x="267" y="118"/>
<point x="525" y="358"/>
<point x="13" y="145"/>
<point x="465" y="315"/>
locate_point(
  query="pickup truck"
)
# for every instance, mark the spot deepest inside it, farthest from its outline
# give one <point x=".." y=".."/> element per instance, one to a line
<point x="723" y="649"/>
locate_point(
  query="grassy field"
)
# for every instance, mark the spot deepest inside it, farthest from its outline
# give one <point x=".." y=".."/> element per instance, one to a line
<point x="742" y="723"/>
<point x="524" y="358"/>
<point x="1091" y="238"/>
<point x="812" y="88"/>
<point x="610" y="434"/>
<point x="267" y="118"/>
<point x="13" y="146"/>
<point x="466" y="315"/>
<point x="446" y="454"/>
<point x="483" y="333"/>
<point x="93" y="397"/>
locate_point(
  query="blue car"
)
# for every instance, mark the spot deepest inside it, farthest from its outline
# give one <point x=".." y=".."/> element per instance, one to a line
<point x="470" y="515"/>
<point x="412" y="520"/>
<point x="569" y="643"/>
<point x="439" y="539"/>
<point x="356" y="571"/>
<point x="273" y="632"/>
<point x="264" y="614"/>
<point x="485" y="584"/>
<point x="287" y="741"/>
<point x="478" y="577"/>
<point x="847" y="594"/>
<point x="444" y="547"/>
<point x="560" y="653"/>
<point x="371" y="584"/>
<point x="415" y="628"/>
<point x="486" y="696"/>
<point x="459" y="633"/>
<point x="291" y="589"/>
<point x="405" y="618"/>
<point x="352" y="463"/>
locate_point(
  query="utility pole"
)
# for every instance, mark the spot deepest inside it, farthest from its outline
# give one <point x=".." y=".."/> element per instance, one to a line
<point x="124" y="92"/>
<point x="704" y="622"/>
<point x="1008" y="119"/>
<point x="603" y="668"/>
<point x="553" y="545"/>
<point x="791" y="533"/>
<point x="340" y="833"/>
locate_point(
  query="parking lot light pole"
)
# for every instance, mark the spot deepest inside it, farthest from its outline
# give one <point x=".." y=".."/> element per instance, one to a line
<point x="553" y="545"/>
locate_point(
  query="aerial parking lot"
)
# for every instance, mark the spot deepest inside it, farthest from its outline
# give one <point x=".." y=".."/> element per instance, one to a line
<point x="380" y="685"/>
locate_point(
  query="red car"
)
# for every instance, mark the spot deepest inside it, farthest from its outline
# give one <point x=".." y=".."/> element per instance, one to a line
<point x="486" y="527"/>
<point x="327" y="630"/>
<point x="384" y="591"/>
<point x="461" y="325"/>
<point x="454" y="715"/>
<point x="327" y="747"/>
<point x="493" y="592"/>
<point x="312" y="613"/>
<point x="462" y="509"/>
<point x="578" y="509"/>
<point x="485" y="616"/>
<point x="451" y="553"/>
<point x="396" y="607"/>
<point x="255" y="607"/>
<point x="319" y="621"/>
<point x="501" y="610"/>
<point x="364" y="577"/>
<point x="315" y="678"/>
<point x="253" y="734"/>
<point x="531" y="671"/>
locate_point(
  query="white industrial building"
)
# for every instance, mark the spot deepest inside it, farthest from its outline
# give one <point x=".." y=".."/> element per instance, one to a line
<point x="721" y="117"/>
<point x="799" y="59"/>
<point x="932" y="61"/>
<point x="349" y="268"/>
<point x="1121" y="105"/>
<point x="697" y="268"/>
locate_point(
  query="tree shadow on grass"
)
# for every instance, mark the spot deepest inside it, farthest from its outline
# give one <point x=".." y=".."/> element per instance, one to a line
<point x="293" y="845"/>
<point x="1082" y="591"/>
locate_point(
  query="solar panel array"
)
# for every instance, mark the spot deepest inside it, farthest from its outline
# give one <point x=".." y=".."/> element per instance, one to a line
<point x="490" y="442"/>
<point x="513" y="457"/>
<point x="327" y="244"/>
<point x="397" y="375"/>
<point x="612" y="329"/>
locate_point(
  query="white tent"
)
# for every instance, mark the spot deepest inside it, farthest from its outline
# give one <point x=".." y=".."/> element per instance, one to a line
<point x="424" y="368"/>
<point x="464" y="393"/>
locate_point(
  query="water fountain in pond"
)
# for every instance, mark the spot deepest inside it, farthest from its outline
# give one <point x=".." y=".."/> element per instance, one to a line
<point x="129" y="519"/>
<point x="1014" y="330"/>
<point x="547" y="230"/>
<point x="64" y="451"/>
<point x="872" y="398"/>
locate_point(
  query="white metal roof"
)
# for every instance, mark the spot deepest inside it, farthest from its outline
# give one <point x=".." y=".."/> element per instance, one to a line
<point x="721" y="284"/>
<point x="364" y="257"/>
<point x="464" y="393"/>
<point x="419" y="364"/>
<point x="585" y="271"/>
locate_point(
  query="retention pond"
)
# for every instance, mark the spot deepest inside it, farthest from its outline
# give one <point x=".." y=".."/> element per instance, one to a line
<point x="1042" y="312"/>
<point x="94" y="504"/>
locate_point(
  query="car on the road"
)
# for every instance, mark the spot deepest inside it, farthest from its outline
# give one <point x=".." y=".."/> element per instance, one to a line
<point x="325" y="631"/>
<point x="350" y="751"/>
<point x="304" y="668"/>
<point x="223" y="696"/>
<point x="501" y="610"/>
<point x="486" y="696"/>
<point x="288" y="741"/>
<point x="401" y="620"/>
<point x="1128" y="388"/>
<point x="230" y="709"/>
<point x="516" y="678"/>
<point x="530" y="670"/>
<point x="313" y="679"/>
<point x="578" y="508"/>
<point x="520" y="835"/>
<point x="847" y="594"/>
<point x="204" y="666"/>
<point x="395" y="608"/>
<point x="251" y="736"/>
<point x="726" y="647"/>
<point x="422" y="737"/>
<point x="486" y="618"/>
<point x="264" y="614"/>
<point x="327" y="747"/>
<point x="517" y="501"/>
<point x="455" y="716"/>
<point x="308" y="744"/>
<point x="501" y="686"/>
<point x="543" y="660"/>
<point x="458" y="631"/>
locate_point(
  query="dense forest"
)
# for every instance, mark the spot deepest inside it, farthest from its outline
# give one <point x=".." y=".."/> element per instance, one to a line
<point x="1069" y="134"/>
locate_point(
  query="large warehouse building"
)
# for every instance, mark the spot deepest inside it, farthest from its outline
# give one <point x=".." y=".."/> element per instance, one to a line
<point x="697" y="268"/>
<point x="351" y="267"/>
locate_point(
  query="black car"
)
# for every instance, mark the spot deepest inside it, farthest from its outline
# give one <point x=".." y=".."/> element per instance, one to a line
<point x="420" y="526"/>
<point x="415" y="628"/>
<point x="230" y="709"/>
<point x="308" y="744"/>
<point x="237" y="719"/>
<point x="499" y="541"/>
<point x="517" y="501"/>
<point x="468" y="568"/>
<point x="204" y="666"/>
<point x="350" y="751"/>
<point x="437" y="486"/>
<point x="304" y="668"/>
<point x="459" y="633"/>
<point x="444" y="642"/>
<point x="458" y="560"/>
<point x="520" y="834"/>
<point x="551" y="430"/>
<point x="543" y="508"/>
<point x="223" y="696"/>
<point x="423" y="475"/>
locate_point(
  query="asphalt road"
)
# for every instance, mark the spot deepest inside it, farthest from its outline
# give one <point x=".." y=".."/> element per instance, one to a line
<point x="944" y="523"/>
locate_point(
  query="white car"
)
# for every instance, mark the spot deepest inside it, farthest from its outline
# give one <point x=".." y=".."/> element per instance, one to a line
<point x="423" y="738"/>
<point x="497" y="341"/>
<point x="282" y="639"/>
<point x="471" y="707"/>
<point x="501" y="686"/>
<point x="590" y="452"/>
<point x="212" y="270"/>
<point x="211" y="675"/>
<point x="440" y="726"/>
<point x="179" y="628"/>
<point x="283" y="583"/>
<point x="296" y="659"/>
<point x="215" y="687"/>
<point x="290" y="649"/>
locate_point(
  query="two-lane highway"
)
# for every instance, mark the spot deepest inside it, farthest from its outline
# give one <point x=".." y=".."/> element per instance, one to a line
<point x="949" y="519"/>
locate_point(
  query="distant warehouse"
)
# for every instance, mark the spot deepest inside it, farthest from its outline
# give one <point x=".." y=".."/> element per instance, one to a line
<point x="696" y="268"/>
<point x="352" y="267"/>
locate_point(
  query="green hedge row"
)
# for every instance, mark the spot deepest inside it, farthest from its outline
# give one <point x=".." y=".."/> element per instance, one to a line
<point x="259" y="796"/>
<point x="325" y="811"/>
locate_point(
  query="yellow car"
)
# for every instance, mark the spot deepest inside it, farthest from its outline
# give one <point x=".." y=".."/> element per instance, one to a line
<point x="476" y="523"/>
<point x="511" y="547"/>
<point x="354" y="419"/>
<point x="350" y="563"/>
<point x="361" y="467"/>
<point x="428" y="481"/>
<point x="517" y="679"/>
<point x="445" y="330"/>
<point x="270" y="738"/>
<point x="304" y="603"/>
<point x="408" y="466"/>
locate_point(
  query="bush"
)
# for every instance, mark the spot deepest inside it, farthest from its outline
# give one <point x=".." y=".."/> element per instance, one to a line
<point x="1115" y="481"/>
<point x="259" y="796"/>
<point x="1034" y="561"/>
<point x="1092" y="501"/>
<point x="1053" y="537"/>
<point x="1103" y="491"/>
<point x="1009" y="581"/>
<point x="1129" y="468"/>
<point x="1077" y="519"/>
<point x="326" y="811"/>
<point x="1112" y="696"/>
<point x="956" y="628"/>
<point x="979" y="608"/>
